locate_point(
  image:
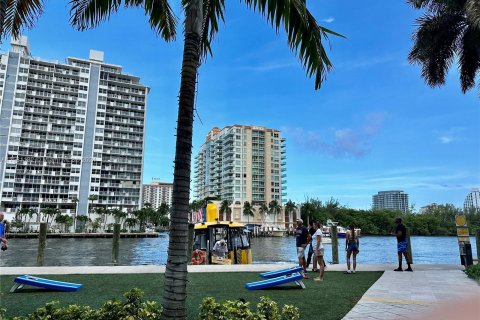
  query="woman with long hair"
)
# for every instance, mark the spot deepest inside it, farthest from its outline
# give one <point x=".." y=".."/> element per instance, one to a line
<point x="351" y="246"/>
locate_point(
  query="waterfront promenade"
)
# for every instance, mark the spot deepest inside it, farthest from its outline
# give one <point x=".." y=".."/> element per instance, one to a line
<point x="431" y="288"/>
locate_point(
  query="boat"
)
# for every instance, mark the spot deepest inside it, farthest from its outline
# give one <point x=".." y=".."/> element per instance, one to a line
<point x="277" y="232"/>
<point x="341" y="231"/>
<point x="207" y="233"/>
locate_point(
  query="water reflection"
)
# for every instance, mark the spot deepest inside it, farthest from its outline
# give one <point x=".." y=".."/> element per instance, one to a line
<point x="139" y="251"/>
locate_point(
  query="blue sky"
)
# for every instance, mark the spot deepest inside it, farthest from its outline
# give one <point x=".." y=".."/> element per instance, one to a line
<point x="374" y="125"/>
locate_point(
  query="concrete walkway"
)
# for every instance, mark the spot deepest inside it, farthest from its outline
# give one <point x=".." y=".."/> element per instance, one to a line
<point x="199" y="268"/>
<point x="420" y="295"/>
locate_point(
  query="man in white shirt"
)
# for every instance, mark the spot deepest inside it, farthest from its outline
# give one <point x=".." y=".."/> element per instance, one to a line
<point x="220" y="249"/>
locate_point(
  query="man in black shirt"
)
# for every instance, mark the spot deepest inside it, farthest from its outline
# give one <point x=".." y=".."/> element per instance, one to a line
<point x="402" y="245"/>
<point x="302" y="239"/>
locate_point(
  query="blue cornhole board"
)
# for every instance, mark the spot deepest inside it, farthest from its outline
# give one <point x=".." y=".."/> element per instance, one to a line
<point x="263" y="284"/>
<point x="281" y="272"/>
<point x="44" y="283"/>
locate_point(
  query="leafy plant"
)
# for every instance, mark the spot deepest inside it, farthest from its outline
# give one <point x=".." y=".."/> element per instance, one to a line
<point x="267" y="309"/>
<point x="132" y="308"/>
<point x="473" y="272"/>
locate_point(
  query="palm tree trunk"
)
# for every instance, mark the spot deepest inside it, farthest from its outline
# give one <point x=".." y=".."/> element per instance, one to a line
<point x="175" y="283"/>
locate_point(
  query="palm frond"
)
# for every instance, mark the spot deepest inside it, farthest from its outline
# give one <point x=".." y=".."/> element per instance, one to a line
<point x="87" y="14"/>
<point x="437" y="6"/>
<point x="213" y="13"/>
<point x="472" y="9"/>
<point x="18" y="14"/>
<point x="469" y="58"/>
<point x="435" y="43"/>
<point x="305" y="35"/>
<point x="161" y="17"/>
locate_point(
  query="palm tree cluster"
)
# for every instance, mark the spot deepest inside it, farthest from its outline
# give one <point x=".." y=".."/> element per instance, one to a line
<point x="449" y="29"/>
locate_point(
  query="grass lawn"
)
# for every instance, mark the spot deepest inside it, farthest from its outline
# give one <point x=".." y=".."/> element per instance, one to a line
<point x="330" y="299"/>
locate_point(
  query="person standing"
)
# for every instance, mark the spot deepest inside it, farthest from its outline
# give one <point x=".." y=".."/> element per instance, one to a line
<point x="3" y="238"/>
<point x="311" y="231"/>
<point x="302" y="238"/>
<point x="351" y="247"/>
<point x="402" y="245"/>
<point x="319" y="251"/>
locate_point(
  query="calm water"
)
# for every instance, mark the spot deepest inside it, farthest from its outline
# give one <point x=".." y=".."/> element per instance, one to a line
<point x="97" y="252"/>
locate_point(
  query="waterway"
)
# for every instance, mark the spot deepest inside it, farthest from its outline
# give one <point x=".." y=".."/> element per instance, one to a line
<point x="153" y="251"/>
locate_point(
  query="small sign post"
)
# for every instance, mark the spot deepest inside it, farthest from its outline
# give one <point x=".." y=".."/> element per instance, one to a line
<point x="463" y="237"/>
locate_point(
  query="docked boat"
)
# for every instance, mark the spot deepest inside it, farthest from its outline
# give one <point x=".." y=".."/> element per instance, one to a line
<point x="206" y="234"/>
<point x="277" y="232"/>
<point x="341" y="231"/>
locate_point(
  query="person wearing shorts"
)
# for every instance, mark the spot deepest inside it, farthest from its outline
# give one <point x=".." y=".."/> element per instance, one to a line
<point x="319" y="250"/>
<point x="351" y="246"/>
<point x="302" y="238"/>
<point x="402" y="245"/>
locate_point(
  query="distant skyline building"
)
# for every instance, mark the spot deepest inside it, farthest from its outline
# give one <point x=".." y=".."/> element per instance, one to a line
<point x="394" y="200"/>
<point x="242" y="163"/>
<point x="157" y="192"/>
<point x="472" y="201"/>
<point x="68" y="131"/>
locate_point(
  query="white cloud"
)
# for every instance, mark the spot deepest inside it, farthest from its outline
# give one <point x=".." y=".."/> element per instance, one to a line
<point x="445" y="139"/>
<point x="451" y="135"/>
<point x="344" y="141"/>
<point x="329" y="20"/>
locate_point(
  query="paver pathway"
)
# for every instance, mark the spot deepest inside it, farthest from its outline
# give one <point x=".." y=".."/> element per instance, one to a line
<point x="413" y="295"/>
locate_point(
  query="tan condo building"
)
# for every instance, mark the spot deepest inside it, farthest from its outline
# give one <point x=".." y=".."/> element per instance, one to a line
<point x="157" y="193"/>
<point x="242" y="163"/>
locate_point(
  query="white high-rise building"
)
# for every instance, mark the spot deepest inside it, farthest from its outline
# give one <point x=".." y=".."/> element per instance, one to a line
<point x="394" y="200"/>
<point x="472" y="201"/>
<point x="157" y="192"/>
<point x="69" y="131"/>
<point x="242" y="163"/>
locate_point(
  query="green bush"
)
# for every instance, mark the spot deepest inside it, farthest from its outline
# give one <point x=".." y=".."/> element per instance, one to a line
<point x="267" y="309"/>
<point x="132" y="308"/>
<point x="474" y="272"/>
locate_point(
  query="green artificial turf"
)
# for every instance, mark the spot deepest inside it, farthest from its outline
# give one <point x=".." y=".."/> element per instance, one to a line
<point x="330" y="299"/>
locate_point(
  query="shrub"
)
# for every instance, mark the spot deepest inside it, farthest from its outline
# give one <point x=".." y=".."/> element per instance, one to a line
<point x="267" y="309"/>
<point x="133" y="308"/>
<point x="473" y="272"/>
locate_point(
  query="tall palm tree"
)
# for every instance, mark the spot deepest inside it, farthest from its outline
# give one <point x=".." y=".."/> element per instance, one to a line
<point x="290" y="207"/>
<point x="248" y="210"/>
<point x="263" y="211"/>
<point x="75" y="202"/>
<point x="447" y="30"/>
<point x="200" y="26"/>
<point x="92" y="198"/>
<point x="274" y="208"/>
<point x="225" y="209"/>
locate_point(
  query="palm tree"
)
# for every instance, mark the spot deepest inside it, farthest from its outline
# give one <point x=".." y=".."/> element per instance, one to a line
<point x="92" y="197"/>
<point x="226" y="210"/>
<point x="31" y="212"/>
<point x="75" y="202"/>
<point x="304" y="36"/>
<point x="449" y="29"/>
<point x="274" y="208"/>
<point x="50" y="213"/>
<point x="290" y="207"/>
<point x="263" y="211"/>
<point x="248" y="210"/>
<point x="83" y="219"/>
